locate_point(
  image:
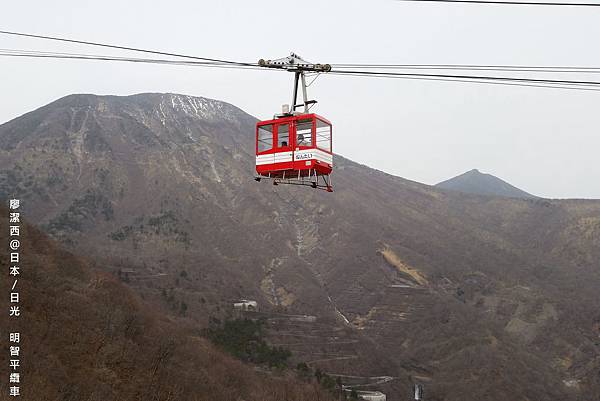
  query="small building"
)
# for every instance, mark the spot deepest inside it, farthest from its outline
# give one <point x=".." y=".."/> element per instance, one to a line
<point x="371" y="395"/>
<point x="246" y="305"/>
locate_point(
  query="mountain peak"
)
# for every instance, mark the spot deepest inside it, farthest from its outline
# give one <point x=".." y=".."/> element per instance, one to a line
<point x="194" y="106"/>
<point x="90" y="119"/>
<point x="476" y="182"/>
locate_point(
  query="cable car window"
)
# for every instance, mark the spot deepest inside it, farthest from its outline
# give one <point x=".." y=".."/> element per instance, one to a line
<point x="323" y="135"/>
<point x="283" y="135"/>
<point x="265" y="137"/>
<point x="304" y="133"/>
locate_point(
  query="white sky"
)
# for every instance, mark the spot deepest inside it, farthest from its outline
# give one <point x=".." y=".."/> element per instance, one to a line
<point x="544" y="141"/>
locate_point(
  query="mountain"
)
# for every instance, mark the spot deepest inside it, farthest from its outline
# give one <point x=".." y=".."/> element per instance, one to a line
<point x="475" y="182"/>
<point x="86" y="336"/>
<point x="385" y="282"/>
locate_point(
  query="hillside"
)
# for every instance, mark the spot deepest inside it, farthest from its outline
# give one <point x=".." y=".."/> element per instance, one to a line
<point x="85" y="336"/>
<point x="475" y="297"/>
<point x="475" y="182"/>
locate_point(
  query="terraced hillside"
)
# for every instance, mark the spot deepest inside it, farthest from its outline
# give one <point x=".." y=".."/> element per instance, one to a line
<point x="85" y="336"/>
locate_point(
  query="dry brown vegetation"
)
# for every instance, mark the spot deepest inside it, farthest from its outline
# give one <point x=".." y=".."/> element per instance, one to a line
<point x="393" y="259"/>
<point x="86" y="337"/>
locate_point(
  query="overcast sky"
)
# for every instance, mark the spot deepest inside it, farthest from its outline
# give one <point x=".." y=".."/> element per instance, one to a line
<point x="545" y="141"/>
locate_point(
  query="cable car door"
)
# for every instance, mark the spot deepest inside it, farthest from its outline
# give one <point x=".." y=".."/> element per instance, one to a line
<point x="303" y="143"/>
<point x="284" y="150"/>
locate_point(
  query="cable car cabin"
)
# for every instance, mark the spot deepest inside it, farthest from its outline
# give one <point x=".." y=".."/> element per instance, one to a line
<point x="295" y="149"/>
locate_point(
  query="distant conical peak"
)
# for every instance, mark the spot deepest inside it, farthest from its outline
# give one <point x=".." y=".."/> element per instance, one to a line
<point x="476" y="182"/>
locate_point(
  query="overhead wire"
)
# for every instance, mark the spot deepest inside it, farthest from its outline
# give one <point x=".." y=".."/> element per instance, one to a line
<point x="477" y="77"/>
<point x="80" y="56"/>
<point x="549" y="86"/>
<point x="508" y="2"/>
<point x="135" y="49"/>
<point x="340" y="65"/>
<point x="381" y="65"/>
<point x="528" y="82"/>
<point x="462" y="67"/>
<point x="471" y="67"/>
<point x="366" y="70"/>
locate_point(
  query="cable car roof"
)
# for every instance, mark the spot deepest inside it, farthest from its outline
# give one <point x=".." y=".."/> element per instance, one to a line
<point x="295" y="117"/>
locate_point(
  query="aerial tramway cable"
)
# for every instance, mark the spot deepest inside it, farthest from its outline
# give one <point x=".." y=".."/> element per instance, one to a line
<point x="472" y="67"/>
<point x="508" y="2"/>
<point x="79" y="56"/>
<point x="473" y="81"/>
<point x="475" y="77"/>
<point x="83" y="42"/>
<point x="355" y="70"/>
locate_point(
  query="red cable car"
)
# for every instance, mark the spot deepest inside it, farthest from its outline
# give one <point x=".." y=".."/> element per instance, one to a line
<point x="295" y="148"/>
